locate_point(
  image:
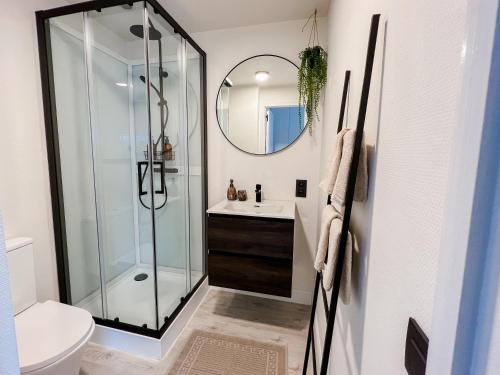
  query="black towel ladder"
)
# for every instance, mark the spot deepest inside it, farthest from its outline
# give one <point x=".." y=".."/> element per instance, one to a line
<point x="331" y="310"/>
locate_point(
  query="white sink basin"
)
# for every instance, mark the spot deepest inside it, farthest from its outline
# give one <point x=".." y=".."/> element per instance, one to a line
<point x="268" y="208"/>
<point x="257" y="208"/>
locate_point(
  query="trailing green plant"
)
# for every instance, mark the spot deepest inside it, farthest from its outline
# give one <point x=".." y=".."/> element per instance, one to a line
<point x="312" y="79"/>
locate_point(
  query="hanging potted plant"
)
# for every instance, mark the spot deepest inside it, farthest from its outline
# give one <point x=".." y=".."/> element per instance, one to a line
<point x="312" y="76"/>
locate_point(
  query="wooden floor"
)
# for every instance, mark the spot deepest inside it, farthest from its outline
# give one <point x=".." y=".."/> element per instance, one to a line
<point x="222" y="312"/>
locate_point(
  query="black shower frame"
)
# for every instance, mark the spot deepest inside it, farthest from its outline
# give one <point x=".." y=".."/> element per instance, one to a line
<point x="54" y="162"/>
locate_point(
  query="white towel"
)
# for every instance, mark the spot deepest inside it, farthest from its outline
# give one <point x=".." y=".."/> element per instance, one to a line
<point x="328" y="181"/>
<point x="9" y="363"/>
<point x="331" y="263"/>
<point x="329" y="213"/>
<point x="361" y="186"/>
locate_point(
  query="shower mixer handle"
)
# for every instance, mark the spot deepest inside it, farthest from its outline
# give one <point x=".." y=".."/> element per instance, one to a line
<point x="162" y="176"/>
<point x="141" y="172"/>
<point x="141" y="175"/>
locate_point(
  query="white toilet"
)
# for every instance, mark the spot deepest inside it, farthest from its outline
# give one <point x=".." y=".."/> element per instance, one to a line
<point x="50" y="335"/>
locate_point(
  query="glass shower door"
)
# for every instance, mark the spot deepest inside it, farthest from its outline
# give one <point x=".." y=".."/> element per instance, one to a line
<point x="120" y="180"/>
<point x="170" y="179"/>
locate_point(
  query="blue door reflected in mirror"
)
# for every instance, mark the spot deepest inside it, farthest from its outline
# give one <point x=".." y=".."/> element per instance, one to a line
<point x="283" y="127"/>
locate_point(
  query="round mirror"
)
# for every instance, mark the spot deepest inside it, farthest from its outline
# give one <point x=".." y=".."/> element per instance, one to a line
<point x="257" y="105"/>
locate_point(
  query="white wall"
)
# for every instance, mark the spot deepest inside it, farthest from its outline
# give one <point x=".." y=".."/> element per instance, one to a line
<point x="243" y="117"/>
<point x="465" y="331"/>
<point x="409" y="141"/>
<point x="273" y="96"/>
<point x="24" y="183"/>
<point x="277" y="173"/>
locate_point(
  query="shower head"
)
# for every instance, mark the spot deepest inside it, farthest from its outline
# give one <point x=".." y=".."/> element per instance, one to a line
<point x="138" y="31"/>
<point x="162" y="99"/>
<point x="164" y="74"/>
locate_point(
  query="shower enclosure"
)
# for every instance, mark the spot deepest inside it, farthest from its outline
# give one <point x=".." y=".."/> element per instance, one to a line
<point x="124" y="99"/>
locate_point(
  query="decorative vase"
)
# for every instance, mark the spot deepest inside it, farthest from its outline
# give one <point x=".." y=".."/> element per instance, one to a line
<point x="242" y="195"/>
<point x="231" y="191"/>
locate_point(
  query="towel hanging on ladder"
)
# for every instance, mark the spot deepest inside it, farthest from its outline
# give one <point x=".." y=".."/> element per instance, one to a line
<point x="329" y="214"/>
<point x="331" y="261"/>
<point x="328" y="181"/>
<point x="361" y="185"/>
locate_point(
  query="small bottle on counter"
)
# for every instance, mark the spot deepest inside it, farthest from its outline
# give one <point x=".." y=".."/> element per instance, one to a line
<point x="231" y="191"/>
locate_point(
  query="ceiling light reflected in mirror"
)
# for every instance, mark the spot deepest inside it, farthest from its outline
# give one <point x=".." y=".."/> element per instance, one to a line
<point x="261" y="76"/>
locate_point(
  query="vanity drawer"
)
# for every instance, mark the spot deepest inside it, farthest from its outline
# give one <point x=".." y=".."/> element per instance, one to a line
<point x="251" y="236"/>
<point x="253" y="274"/>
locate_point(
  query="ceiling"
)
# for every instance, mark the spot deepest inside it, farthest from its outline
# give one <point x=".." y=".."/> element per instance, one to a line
<point x="281" y="72"/>
<point x="204" y="15"/>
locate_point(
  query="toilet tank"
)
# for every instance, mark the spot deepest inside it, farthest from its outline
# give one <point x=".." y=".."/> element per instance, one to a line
<point x="21" y="273"/>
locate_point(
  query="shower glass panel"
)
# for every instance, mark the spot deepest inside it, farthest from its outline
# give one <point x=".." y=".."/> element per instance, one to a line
<point x="76" y="165"/>
<point x="195" y="120"/>
<point x="109" y="46"/>
<point x="126" y="100"/>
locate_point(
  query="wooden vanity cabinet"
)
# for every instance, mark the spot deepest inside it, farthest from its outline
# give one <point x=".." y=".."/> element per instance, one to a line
<point x="251" y="253"/>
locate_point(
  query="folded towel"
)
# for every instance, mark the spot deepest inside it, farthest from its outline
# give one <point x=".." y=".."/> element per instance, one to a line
<point x="329" y="213"/>
<point x="328" y="181"/>
<point x="331" y="263"/>
<point x="340" y="187"/>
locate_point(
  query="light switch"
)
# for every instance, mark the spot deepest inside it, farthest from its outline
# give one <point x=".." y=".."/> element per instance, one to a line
<point x="301" y="188"/>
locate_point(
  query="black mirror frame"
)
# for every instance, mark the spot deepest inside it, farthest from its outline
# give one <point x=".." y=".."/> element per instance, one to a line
<point x="217" y="100"/>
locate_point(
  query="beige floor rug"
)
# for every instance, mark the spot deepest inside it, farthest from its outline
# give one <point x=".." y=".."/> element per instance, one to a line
<point x="207" y="353"/>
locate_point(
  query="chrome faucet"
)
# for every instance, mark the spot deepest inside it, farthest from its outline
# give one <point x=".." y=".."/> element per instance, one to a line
<point x="258" y="193"/>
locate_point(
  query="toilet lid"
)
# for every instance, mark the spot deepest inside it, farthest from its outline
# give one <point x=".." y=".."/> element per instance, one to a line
<point x="48" y="331"/>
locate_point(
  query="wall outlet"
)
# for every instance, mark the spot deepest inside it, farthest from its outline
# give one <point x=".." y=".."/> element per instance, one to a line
<point x="301" y="188"/>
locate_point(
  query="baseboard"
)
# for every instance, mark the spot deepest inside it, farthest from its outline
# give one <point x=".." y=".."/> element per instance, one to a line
<point x="298" y="296"/>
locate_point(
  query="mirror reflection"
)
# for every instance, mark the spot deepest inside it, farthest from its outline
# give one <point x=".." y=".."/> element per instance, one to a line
<point x="257" y="105"/>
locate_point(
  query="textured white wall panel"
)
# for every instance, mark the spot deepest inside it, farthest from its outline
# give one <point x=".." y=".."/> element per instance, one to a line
<point x="409" y="130"/>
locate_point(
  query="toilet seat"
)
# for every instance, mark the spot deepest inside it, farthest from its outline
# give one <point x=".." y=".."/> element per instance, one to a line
<point x="47" y="332"/>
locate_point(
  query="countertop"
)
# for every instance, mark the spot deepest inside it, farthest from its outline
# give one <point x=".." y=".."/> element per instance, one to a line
<point x="280" y="209"/>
